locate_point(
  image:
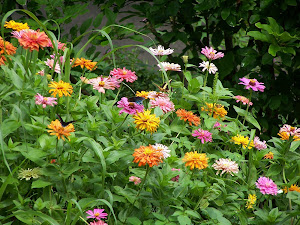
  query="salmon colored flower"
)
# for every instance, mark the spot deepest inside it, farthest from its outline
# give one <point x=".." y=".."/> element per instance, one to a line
<point x="124" y="74"/>
<point x="147" y="155"/>
<point x="59" y="45"/>
<point x="146" y="121"/>
<point x="33" y="40"/>
<point x="188" y="116"/>
<point x="164" y="104"/>
<point x="242" y="140"/>
<point x="195" y="160"/>
<point x="134" y="179"/>
<point x="242" y="99"/>
<point x="60" y="131"/>
<point x="60" y="88"/>
<point x="16" y="26"/>
<point x="269" y="155"/>
<point x="82" y="62"/>
<point x="6" y="48"/>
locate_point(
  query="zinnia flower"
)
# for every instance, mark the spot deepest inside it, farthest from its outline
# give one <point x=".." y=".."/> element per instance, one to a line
<point x="33" y="40"/>
<point x="155" y="95"/>
<point x="289" y="129"/>
<point x="50" y="63"/>
<point x="211" y="54"/>
<point x="176" y="178"/>
<point x="124" y="74"/>
<point x="16" y="26"/>
<point x="243" y="99"/>
<point x="251" y="201"/>
<point x="59" y="45"/>
<point x="164" y="103"/>
<point x="129" y="107"/>
<point x="242" y="140"/>
<point x="161" y="50"/>
<point x="143" y="94"/>
<point x="40" y="100"/>
<point x="97" y="214"/>
<point x="188" y="116"/>
<point x="147" y="155"/>
<point x="203" y="135"/>
<point x="293" y="187"/>
<point x="84" y="80"/>
<point x="226" y="166"/>
<point x="164" y="149"/>
<point x="286" y="136"/>
<point x="195" y="160"/>
<point x="60" y="131"/>
<point x="170" y="66"/>
<point x="82" y="62"/>
<point x="210" y="67"/>
<point x="253" y="84"/>
<point x="6" y="48"/>
<point x="134" y="179"/>
<point x="102" y="83"/>
<point x="266" y="186"/>
<point x="60" y="88"/>
<point x="99" y="222"/>
<point x="258" y="144"/>
<point x="269" y="155"/>
<point x="29" y="173"/>
<point x="218" y="110"/>
<point x="146" y="121"/>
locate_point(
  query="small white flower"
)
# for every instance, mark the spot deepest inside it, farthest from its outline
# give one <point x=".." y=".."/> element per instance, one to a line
<point x="161" y="50"/>
<point x="164" y="149"/>
<point x="279" y="191"/>
<point x="170" y="66"/>
<point x="210" y="67"/>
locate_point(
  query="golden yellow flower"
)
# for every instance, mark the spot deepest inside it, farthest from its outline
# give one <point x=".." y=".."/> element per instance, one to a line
<point x="188" y="116"/>
<point x="286" y="136"/>
<point x="60" y="131"/>
<point x="60" y="88"/>
<point x="293" y="187"/>
<point x="82" y="62"/>
<point x="147" y="155"/>
<point x="195" y="160"/>
<point x="143" y="94"/>
<point x="145" y="120"/>
<point x="244" y="141"/>
<point x="217" y="110"/>
<point x="16" y="26"/>
<point x="251" y="201"/>
<point x="269" y="155"/>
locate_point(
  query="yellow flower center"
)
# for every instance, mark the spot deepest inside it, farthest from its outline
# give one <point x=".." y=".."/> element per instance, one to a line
<point x="252" y="82"/>
<point x="124" y="72"/>
<point x="148" y="151"/>
<point x="96" y="214"/>
<point x="101" y="83"/>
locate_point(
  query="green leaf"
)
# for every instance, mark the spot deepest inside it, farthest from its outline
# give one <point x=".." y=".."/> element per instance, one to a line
<point x="274" y="170"/>
<point x="294" y="145"/>
<point x="134" y="221"/>
<point x="254" y="18"/>
<point x="85" y="25"/>
<point x="194" y="86"/>
<point x="40" y="184"/>
<point x="188" y="75"/>
<point x="184" y="220"/>
<point x="193" y="213"/>
<point x="275" y="102"/>
<point x="273" y="49"/>
<point x="22" y="2"/>
<point x="225" y="13"/>
<point x="159" y="216"/>
<point x="111" y="17"/>
<point x="98" y="20"/>
<point x="258" y="36"/>
<point x="274" y="25"/>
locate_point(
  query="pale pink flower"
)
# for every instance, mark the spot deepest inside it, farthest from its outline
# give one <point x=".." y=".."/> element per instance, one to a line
<point x="290" y="130"/>
<point x="60" y="45"/>
<point x="18" y="34"/>
<point x="253" y="84"/>
<point x="40" y="100"/>
<point x="124" y="74"/>
<point x="99" y="222"/>
<point x="266" y="186"/>
<point x="211" y="54"/>
<point x="163" y="149"/>
<point x="42" y="73"/>
<point x="170" y="66"/>
<point x="203" y="135"/>
<point x="84" y="80"/>
<point x="97" y="214"/>
<point x="129" y="107"/>
<point x="258" y="144"/>
<point x="176" y="178"/>
<point x="155" y="95"/>
<point x="242" y="99"/>
<point x="164" y="103"/>
<point x="161" y="50"/>
<point x="134" y="179"/>
<point x="226" y="166"/>
<point x="61" y="58"/>
<point x="101" y="83"/>
<point x="210" y="67"/>
<point x="50" y="63"/>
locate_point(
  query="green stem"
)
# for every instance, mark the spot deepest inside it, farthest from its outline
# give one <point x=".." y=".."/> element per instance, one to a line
<point x="205" y="79"/>
<point x="119" y="125"/>
<point x="129" y="88"/>
<point x="247" y="107"/>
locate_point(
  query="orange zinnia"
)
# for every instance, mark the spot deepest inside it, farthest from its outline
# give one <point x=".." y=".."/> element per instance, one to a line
<point x="188" y="116"/>
<point x="6" y="48"/>
<point x="269" y="155"/>
<point x="60" y="131"/>
<point x="33" y="40"/>
<point x="147" y="155"/>
<point x="60" y="88"/>
<point x="217" y="110"/>
<point x="82" y="62"/>
<point x="195" y="160"/>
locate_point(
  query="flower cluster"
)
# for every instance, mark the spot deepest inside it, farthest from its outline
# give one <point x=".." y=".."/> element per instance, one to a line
<point x="286" y="131"/>
<point x="251" y="201"/>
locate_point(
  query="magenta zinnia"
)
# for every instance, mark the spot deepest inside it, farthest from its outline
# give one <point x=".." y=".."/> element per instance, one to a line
<point x="203" y="135"/>
<point x="211" y="54"/>
<point x="226" y="166"/>
<point x="124" y="74"/>
<point x="129" y="107"/>
<point x="266" y="186"/>
<point x="253" y="84"/>
<point x="97" y="214"/>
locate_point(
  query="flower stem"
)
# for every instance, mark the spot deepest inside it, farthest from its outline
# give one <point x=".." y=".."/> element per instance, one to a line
<point x="119" y="125"/>
<point x="205" y="79"/>
<point x="247" y="107"/>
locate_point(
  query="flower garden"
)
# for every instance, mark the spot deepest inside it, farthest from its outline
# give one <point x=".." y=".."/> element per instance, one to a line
<point x="84" y="146"/>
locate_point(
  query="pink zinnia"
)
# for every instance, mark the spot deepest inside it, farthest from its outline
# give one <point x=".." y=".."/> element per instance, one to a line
<point x="170" y="66"/>
<point x="124" y="74"/>
<point x="33" y="40"/>
<point x="266" y="186"/>
<point x="211" y="54"/>
<point x="290" y="130"/>
<point x="154" y="95"/>
<point x="60" y="45"/>
<point x="134" y="179"/>
<point x="176" y="178"/>
<point x="97" y="214"/>
<point x="41" y="72"/>
<point x="40" y="100"/>
<point x="226" y="166"/>
<point x="101" y="83"/>
<point x="99" y="222"/>
<point x="129" y="107"/>
<point x="203" y="135"/>
<point x="258" y="144"/>
<point x="253" y="84"/>
<point x="50" y="63"/>
<point x="243" y="99"/>
<point x="164" y="103"/>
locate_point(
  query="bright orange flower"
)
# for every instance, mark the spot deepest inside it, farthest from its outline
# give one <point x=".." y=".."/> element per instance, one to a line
<point x="82" y="62"/>
<point x="217" y="110"/>
<point x="60" y="131"/>
<point x="33" y="40"/>
<point x="195" y="160"/>
<point x="293" y="187"/>
<point x="286" y="136"/>
<point x="188" y="116"/>
<point x="61" y="88"/>
<point x="269" y="155"/>
<point x="6" y="48"/>
<point x="147" y="155"/>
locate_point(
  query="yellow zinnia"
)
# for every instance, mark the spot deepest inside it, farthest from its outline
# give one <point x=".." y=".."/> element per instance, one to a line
<point x="16" y="26"/>
<point x="143" y="94"/>
<point x="82" y="62"/>
<point x="244" y="141"/>
<point x="60" y="131"/>
<point x="217" y="110"/>
<point x="145" y="120"/>
<point x="251" y="201"/>
<point x="60" y="88"/>
<point x="195" y="160"/>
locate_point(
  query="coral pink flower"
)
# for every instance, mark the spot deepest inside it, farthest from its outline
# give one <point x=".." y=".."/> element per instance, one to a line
<point x="161" y="50"/>
<point x="50" y="63"/>
<point x="129" y="107"/>
<point x="97" y="214"/>
<point x="60" y="45"/>
<point x="258" y="144"/>
<point x="211" y="54"/>
<point x="170" y="66"/>
<point x="226" y="166"/>
<point x="164" y="103"/>
<point x="101" y="83"/>
<point x="134" y="179"/>
<point x="124" y="74"/>
<point x="242" y="99"/>
<point x="253" y="84"/>
<point x="203" y="135"/>
<point x="266" y="186"/>
<point x="99" y="222"/>
<point x="40" y="100"/>
<point x="33" y="40"/>
<point x="41" y="72"/>
<point x="154" y="95"/>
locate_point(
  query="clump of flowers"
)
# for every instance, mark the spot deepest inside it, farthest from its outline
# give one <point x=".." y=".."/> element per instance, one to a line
<point x="6" y="48"/>
<point x="164" y="103"/>
<point x="101" y="83"/>
<point x="96" y="214"/>
<point x="242" y="140"/>
<point x="60" y="131"/>
<point x="203" y="135"/>
<point x="124" y="74"/>
<point x="146" y="121"/>
<point x="188" y="116"/>
<point x="129" y="107"/>
<point x="169" y="66"/>
<point x="134" y="179"/>
<point x="195" y="160"/>
<point x="243" y="99"/>
<point x="269" y="155"/>
<point x="85" y="63"/>
<point x="176" y="178"/>
<point x="266" y="186"/>
<point x="253" y="84"/>
<point x="163" y="149"/>
<point x="147" y="155"/>
<point x="210" y="67"/>
<point x="41" y="100"/>
<point x="33" y="40"/>
<point x="217" y="110"/>
<point x="143" y="94"/>
<point x="16" y="26"/>
<point x="29" y="173"/>
<point x="60" y="88"/>
<point x="286" y="131"/>
<point x="251" y="201"/>
<point x="293" y="187"/>
<point x="160" y="50"/>
<point x="211" y="54"/>
<point x="226" y="166"/>
<point x="258" y="144"/>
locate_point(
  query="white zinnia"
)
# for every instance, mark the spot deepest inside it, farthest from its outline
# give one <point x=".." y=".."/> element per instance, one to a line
<point x="170" y="66"/>
<point x="161" y="50"/>
<point x="210" y="67"/>
<point x="164" y="149"/>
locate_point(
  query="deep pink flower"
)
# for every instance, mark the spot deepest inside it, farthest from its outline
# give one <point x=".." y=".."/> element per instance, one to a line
<point x="164" y="103"/>
<point x="242" y="99"/>
<point x="253" y="84"/>
<point x="266" y="186"/>
<point x="176" y="178"/>
<point x="129" y="107"/>
<point x="40" y="100"/>
<point x="203" y="135"/>
<point x="134" y="179"/>
<point x="99" y="222"/>
<point x="124" y="74"/>
<point x="258" y="144"/>
<point x="97" y="214"/>
<point x="101" y="83"/>
<point x="211" y="54"/>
